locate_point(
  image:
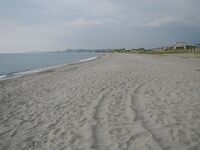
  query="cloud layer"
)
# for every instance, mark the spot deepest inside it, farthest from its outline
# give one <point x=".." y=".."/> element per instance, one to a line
<point x="55" y="25"/>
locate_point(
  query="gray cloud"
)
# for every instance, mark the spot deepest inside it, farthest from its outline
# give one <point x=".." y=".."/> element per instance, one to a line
<point x="54" y="25"/>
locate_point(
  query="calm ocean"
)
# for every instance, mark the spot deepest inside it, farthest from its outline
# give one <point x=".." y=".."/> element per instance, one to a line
<point x="14" y="64"/>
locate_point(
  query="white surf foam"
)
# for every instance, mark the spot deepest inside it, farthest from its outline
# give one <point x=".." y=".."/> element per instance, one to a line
<point x="88" y="59"/>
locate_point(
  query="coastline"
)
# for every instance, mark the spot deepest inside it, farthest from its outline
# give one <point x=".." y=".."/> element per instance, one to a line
<point x="117" y="102"/>
<point x="40" y="70"/>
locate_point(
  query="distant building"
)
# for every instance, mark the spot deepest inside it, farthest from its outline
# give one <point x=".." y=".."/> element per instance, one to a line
<point x="180" y="45"/>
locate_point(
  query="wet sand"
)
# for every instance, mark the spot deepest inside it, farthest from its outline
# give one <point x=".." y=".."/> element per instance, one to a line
<point x="117" y="102"/>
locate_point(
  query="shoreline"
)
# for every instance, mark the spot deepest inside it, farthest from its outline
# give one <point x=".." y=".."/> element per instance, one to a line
<point x="40" y="70"/>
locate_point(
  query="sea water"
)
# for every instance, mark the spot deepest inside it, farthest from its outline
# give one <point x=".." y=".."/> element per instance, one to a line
<point x="14" y="64"/>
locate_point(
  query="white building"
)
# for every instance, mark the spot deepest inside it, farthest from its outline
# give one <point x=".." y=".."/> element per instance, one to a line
<point x="180" y="45"/>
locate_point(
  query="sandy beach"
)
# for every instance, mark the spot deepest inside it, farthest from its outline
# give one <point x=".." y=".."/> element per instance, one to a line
<point x="117" y="102"/>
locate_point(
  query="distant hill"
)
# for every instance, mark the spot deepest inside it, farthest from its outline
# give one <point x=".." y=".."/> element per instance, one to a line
<point x="89" y="50"/>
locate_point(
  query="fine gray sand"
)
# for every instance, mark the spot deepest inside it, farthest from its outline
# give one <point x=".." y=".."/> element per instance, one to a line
<point x="117" y="102"/>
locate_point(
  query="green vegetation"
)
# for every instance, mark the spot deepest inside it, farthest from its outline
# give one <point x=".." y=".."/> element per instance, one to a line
<point x="158" y="51"/>
<point x="123" y="50"/>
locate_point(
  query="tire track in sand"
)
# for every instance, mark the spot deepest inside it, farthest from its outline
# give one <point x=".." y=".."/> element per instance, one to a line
<point x="100" y="127"/>
<point x="148" y="139"/>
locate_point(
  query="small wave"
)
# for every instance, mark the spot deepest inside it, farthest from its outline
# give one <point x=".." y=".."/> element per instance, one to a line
<point x="3" y="76"/>
<point x="27" y="72"/>
<point x="88" y="59"/>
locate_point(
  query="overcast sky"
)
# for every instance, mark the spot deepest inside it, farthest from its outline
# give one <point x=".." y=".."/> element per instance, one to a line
<point x="43" y="25"/>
